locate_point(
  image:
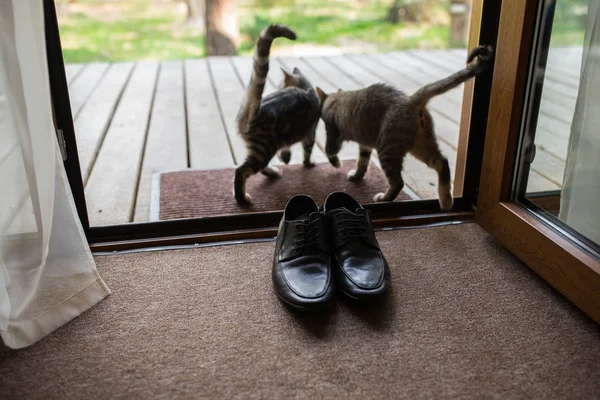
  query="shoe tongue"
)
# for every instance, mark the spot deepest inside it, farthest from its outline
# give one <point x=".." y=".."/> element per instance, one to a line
<point x="304" y="217"/>
<point x="310" y="216"/>
<point x="358" y="211"/>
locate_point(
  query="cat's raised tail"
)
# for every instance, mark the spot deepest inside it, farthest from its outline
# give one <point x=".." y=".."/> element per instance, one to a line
<point x="256" y="87"/>
<point x="482" y="56"/>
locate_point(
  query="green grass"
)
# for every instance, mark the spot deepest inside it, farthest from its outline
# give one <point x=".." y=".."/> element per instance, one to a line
<point x="568" y="33"/>
<point x="334" y="22"/>
<point x="140" y="29"/>
<point x="568" y="28"/>
<point x="136" y="34"/>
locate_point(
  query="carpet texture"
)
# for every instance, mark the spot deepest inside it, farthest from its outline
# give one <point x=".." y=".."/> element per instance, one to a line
<point x="465" y="320"/>
<point x="194" y="194"/>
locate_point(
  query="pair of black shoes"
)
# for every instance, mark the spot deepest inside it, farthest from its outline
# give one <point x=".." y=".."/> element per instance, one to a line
<point x="318" y="249"/>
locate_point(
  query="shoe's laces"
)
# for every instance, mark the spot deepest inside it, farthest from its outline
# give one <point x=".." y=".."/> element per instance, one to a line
<point x="351" y="225"/>
<point x="309" y="236"/>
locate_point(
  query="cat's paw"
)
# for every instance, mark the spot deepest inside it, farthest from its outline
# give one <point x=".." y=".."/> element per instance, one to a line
<point x="379" y="197"/>
<point x="335" y="161"/>
<point x="244" y="200"/>
<point x="308" y="164"/>
<point x="352" y="177"/>
<point x="285" y="156"/>
<point x="271" y="172"/>
<point x="446" y="202"/>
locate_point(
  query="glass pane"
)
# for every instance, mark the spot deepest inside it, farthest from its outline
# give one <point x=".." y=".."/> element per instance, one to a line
<point x="563" y="167"/>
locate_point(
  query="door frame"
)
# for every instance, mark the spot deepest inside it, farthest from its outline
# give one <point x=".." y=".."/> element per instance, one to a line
<point x="264" y="224"/>
<point x="542" y="246"/>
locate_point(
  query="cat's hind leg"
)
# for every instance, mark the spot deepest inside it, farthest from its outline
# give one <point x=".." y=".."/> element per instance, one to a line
<point x="362" y="164"/>
<point x="427" y="150"/>
<point x="333" y="145"/>
<point x="307" y="146"/>
<point x="391" y="158"/>
<point x="251" y="166"/>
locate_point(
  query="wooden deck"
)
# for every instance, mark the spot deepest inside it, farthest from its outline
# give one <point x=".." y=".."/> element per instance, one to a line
<point x="134" y="119"/>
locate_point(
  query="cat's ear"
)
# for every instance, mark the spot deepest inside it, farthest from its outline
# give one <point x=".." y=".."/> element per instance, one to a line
<point x="296" y="70"/>
<point x="322" y="94"/>
<point x="285" y="73"/>
<point x="339" y="90"/>
<point x="288" y="78"/>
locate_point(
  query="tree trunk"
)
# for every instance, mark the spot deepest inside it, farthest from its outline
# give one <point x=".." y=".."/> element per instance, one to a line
<point x="222" y="28"/>
<point x="459" y="22"/>
<point x="394" y="13"/>
<point x="195" y="12"/>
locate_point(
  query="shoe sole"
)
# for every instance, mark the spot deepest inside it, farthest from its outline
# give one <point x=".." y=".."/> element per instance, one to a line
<point x="367" y="299"/>
<point x="315" y="308"/>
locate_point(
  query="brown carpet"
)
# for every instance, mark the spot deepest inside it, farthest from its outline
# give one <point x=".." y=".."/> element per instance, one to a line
<point x="193" y="194"/>
<point x="465" y="320"/>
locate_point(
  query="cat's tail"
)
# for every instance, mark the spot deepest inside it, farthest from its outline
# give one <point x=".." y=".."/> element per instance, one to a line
<point x="256" y="87"/>
<point x="482" y="56"/>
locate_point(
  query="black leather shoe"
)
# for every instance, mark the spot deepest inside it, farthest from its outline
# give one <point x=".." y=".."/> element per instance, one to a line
<point x="360" y="268"/>
<point x="302" y="264"/>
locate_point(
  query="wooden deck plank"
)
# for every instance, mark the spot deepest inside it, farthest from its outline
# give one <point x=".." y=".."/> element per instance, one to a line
<point x="557" y="78"/>
<point x="207" y="137"/>
<point x="553" y="142"/>
<point x="460" y="54"/>
<point x="568" y="60"/>
<point x="568" y="83"/>
<point x="84" y="85"/>
<point x="244" y="66"/>
<point x="94" y="118"/>
<point x="230" y="94"/>
<point x="111" y="189"/>
<point x="166" y="142"/>
<point x="538" y="183"/>
<point x="558" y="99"/>
<point x="549" y="166"/>
<point x="422" y="71"/>
<point x="435" y="65"/>
<point x="555" y="112"/>
<point x="72" y="70"/>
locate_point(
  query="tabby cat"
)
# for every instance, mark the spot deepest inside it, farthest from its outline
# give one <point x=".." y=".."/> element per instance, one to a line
<point x="276" y="122"/>
<point x="385" y="119"/>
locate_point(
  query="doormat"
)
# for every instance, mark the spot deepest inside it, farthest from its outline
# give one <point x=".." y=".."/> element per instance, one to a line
<point x="195" y="194"/>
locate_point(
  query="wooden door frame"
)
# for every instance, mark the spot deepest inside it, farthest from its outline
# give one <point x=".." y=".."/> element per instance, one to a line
<point x="567" y="267"/>
<point x="262" y="224"/>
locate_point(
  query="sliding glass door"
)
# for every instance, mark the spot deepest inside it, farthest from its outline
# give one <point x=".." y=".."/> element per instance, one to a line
<point x="541" y="166"/>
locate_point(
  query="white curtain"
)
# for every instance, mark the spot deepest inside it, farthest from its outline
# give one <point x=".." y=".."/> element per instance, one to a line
<point x="47" y="273"/>
<point x="580" y="197"/>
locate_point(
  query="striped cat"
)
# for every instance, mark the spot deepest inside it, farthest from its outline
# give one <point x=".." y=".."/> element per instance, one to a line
<point x="276" y="122"/>
<point x="383" y="118"/>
